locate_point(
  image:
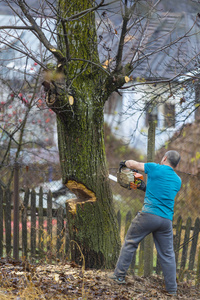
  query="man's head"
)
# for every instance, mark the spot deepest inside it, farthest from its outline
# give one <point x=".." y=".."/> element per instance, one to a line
<point x="171" y="158"/>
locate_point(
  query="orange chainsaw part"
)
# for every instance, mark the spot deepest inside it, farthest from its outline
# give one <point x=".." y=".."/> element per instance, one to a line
<point x="138" y="178"/>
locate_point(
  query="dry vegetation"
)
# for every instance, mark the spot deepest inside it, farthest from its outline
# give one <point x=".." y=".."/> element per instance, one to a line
<point x="20" y="280"/>
<point x="117" y="150"/>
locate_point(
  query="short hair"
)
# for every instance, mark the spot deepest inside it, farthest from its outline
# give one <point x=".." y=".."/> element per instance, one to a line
<point x="173" y="157"/>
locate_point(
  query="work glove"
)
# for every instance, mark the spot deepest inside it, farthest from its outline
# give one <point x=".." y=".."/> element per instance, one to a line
<point x="141" y="186"/>
<point x="122" y="164"/>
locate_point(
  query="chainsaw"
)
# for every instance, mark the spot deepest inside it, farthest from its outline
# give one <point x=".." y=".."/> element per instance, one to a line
<point x="128" y="178"/>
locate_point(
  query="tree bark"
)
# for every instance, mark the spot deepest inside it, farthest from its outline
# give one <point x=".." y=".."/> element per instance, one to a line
<point x="77" y="96"/>
<point x="91" y="217"/>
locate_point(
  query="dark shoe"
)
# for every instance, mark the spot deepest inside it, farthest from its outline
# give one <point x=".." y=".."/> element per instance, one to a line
<point x="172" y="293"/>
<point x="119" y="280"/>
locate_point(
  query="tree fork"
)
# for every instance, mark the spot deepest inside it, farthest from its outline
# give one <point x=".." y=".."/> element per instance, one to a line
<point x="91" y="217"/>
<point x="57" y="97"/>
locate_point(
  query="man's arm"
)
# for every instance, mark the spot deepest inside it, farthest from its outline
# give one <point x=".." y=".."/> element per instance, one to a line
<point x="133" y="164"/>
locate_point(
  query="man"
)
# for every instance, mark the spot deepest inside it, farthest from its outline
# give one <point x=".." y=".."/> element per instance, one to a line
<point x="156" y="216"/>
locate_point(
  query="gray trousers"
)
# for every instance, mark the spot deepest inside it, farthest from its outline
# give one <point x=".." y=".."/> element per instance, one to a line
<point x="141" y="226"/>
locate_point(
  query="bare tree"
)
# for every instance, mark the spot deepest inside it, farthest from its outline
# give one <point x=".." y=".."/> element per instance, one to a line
<point x="24" y="119"/>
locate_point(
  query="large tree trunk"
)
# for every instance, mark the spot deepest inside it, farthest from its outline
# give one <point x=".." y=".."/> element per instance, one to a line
<point x="92" y="221"/>
<point x="77" y="96"/>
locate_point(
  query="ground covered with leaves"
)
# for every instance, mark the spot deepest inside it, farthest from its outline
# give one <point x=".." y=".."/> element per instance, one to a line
<point x="21" y="280"/>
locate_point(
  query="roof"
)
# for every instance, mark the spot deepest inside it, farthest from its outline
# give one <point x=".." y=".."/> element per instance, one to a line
<point x="35" y="4"/>
<point x="189" y="6"/>
<point x="14" y="64"/>
<point x="148" y="36"/>
<point x="143" y="43"/>
<point x="187" y="143"/>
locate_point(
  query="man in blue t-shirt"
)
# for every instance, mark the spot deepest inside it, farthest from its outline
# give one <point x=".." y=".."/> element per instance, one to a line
<point x="156" y="216"/>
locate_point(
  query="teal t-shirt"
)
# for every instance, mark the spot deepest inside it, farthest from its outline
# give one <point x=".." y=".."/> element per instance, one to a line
<point x="162" y="186"/>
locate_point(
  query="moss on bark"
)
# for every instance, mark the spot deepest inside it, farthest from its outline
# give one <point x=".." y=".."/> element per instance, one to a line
<point x="91" y="217"/>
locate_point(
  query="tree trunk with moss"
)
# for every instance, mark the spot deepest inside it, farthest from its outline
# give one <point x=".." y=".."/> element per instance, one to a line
<point x="92" y="221"/>
<point x="77" y="93"/>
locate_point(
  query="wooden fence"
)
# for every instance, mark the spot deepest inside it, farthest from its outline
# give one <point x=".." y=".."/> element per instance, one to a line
<point x="186" y="247"/>
<point x="42" y="234"/>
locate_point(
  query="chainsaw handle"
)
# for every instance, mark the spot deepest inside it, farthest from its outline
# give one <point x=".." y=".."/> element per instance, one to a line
<point x="122" y="164"/>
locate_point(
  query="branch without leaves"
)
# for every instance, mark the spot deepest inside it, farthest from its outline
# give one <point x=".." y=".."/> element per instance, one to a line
<point x="38" y="32"/>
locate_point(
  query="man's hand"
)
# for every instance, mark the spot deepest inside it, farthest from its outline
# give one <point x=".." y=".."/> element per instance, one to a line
<point x="122" y="164"/>
<point x="142" y="186"/>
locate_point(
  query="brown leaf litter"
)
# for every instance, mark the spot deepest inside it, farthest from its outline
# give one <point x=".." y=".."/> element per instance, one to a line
<point x="21" y="280"/>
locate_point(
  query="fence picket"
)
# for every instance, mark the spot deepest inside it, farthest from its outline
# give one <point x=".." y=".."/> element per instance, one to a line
<point x="198" y="270"/>
<point x="67" y="238"/>
<point x="41" y="226"/>
<point x="141" y="259"/>
<point x="8" y="221"/>
<point x="33" y="223"/>
<point x="177" y="238"/>
<point x="185" y="246"/>
<point x="194" y="243"/>
<point x="49" y="220"/>
<point x="60" y="231"/>
<point x="24" y="223"/>
<point x="1" y="221"/>
<point x="127" y="222"/>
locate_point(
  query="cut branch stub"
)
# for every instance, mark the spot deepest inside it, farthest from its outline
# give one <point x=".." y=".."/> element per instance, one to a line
<point x="82" y="193"/>
<point x="57" y="98"/>
<point x="51" y="90"/>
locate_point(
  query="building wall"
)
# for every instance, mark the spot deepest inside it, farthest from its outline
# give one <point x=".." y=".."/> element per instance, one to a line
<point x="128" y="119"/>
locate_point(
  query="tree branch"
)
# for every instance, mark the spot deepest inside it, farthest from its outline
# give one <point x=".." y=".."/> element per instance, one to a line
<point x="18" y="27"/>
<point x="25" y="53"/>
<point x="126" y="18"/>
<point x="38" y="32"/>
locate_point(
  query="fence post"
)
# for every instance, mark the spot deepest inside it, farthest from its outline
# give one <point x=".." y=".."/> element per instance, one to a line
<point x="49" y="224"/>
<point x="198" y="270"/>
<point x="16" y="213"/>
<point x="7" y="220"/>
<point x="127" y="222"/>
<point x="60" y="232"/>
<point x="194" y="243"/>
<point x="24" y="223"/>
<point x="185" y="247"/>
<point x="148" y="241"/>
<point x="67" y="238"/>
<point x="177" y="239"/>
<point x="33" y="224"/>
<point x="141" y="259"/>
<point x="41" y="227"/>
